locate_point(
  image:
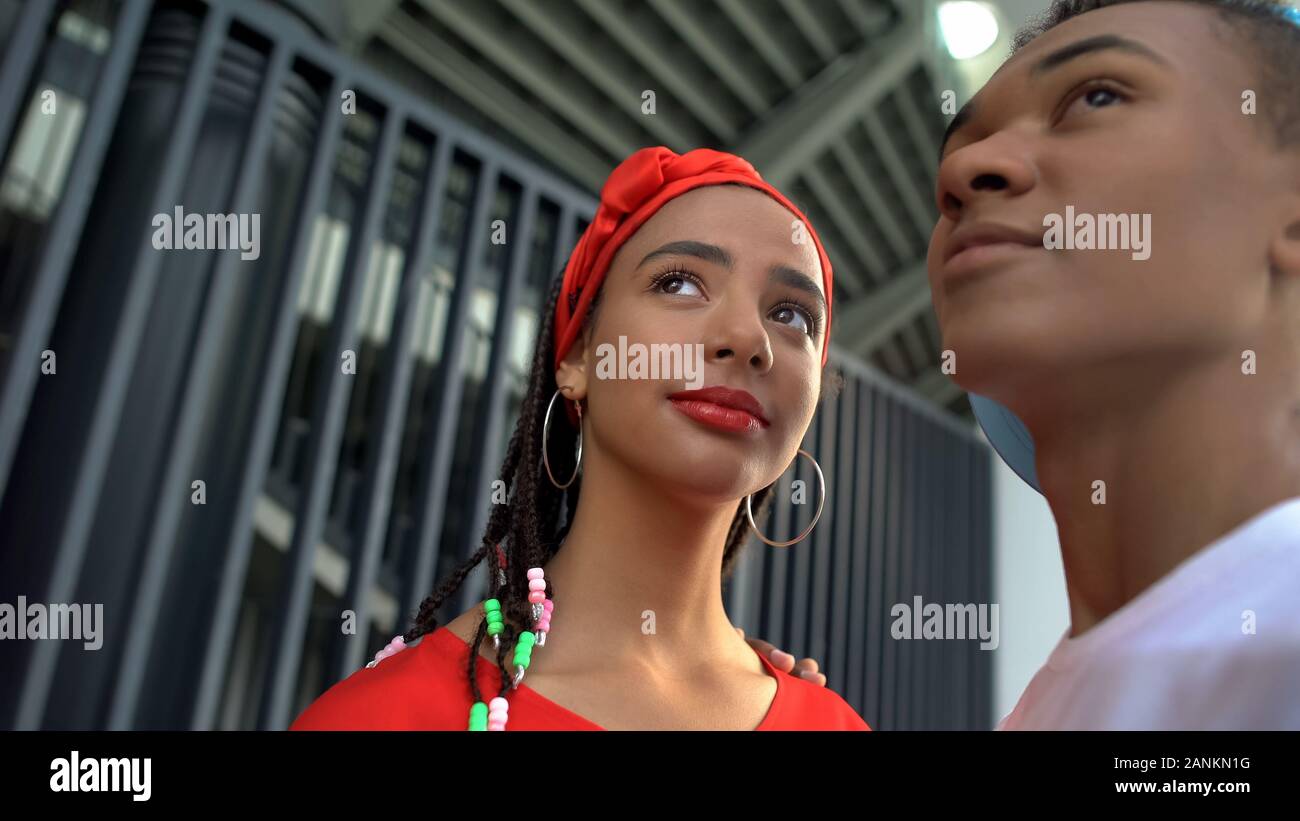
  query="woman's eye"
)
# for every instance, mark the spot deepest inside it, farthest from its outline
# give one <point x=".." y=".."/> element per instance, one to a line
<point x="787" y="312"/>
<point x="677" y="284"/>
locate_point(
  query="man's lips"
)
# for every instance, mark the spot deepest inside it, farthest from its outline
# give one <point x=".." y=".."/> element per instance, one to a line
<point x="979" y="234"/>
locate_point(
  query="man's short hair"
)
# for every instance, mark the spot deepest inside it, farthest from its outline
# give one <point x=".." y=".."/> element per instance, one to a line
<point x="1266" y="31"/>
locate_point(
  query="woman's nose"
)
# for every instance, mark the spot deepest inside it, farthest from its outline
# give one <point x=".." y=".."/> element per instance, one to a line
<point x="739" y="335"/>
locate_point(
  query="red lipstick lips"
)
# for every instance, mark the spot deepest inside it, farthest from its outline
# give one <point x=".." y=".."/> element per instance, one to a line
<point x="721" y="407"/>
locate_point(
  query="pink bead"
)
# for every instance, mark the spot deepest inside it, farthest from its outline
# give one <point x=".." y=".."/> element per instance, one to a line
<point x="537" y="584"/>
<point x="497" y="715"/>
<point x="498" y="703"/>
<point x="497" y="726"/>
<point x="548" y="606"/>
<point x="536" y="597"/>
<point x="536" y="573"/>
<point x="544" y="623"/>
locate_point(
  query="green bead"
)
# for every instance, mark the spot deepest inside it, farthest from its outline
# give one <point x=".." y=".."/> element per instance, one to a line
<point x="478" y="716"/>
<point x="527" y="638"/>
<point x="492" y="605"/>
<point x="494" y="628"/>
<point x="494" y="617"/>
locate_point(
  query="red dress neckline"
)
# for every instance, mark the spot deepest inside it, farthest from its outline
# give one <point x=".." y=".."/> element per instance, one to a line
<point x="453" y="641"/>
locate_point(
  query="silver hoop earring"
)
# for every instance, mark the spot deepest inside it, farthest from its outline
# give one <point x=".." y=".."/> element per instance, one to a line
<point x="546" y="438"/>
<point x="821" y="502"/>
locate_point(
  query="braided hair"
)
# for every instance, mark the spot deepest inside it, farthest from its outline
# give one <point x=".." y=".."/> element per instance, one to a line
<point x="527" y="530"/>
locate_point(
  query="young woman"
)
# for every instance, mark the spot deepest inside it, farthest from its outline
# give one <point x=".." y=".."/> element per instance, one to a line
<point x="626" y="510"/>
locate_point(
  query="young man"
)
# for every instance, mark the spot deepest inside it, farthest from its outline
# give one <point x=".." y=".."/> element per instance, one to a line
<point x="1118" y="262"/>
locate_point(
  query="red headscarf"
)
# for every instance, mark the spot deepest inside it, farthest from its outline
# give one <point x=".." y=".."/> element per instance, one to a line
<point x="635" y="190"/>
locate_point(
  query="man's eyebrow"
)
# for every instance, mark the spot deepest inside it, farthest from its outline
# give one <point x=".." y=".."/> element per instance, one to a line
<point x="717" y="255"/>
<point x="1090" y="45"/>
<point x="1101" y="42"/>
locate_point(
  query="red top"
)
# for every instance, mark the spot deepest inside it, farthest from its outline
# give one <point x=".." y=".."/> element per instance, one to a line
<point x="424" y="688"/>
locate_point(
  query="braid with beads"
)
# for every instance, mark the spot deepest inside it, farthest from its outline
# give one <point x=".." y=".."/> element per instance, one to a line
<point x="527" y="527"/>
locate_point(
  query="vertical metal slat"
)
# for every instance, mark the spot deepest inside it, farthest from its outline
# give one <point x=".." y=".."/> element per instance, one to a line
<point x="394" y="393"/>
<point x="486" y="459"/>
<point x="448" y="387"/>
<point x="194" y="401"/>
<point x="230" y="584"/>
<point x="126" y="339"/>
<point x="64" y="232"/>
<point x="20" y="54"/>
<point x="328" y="406"/>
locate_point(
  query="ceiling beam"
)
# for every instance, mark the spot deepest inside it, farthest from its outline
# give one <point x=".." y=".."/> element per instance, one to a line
<point x="527" y="65"/>
<point x="871" y="320"/>
<point x="685" y="22"/>
<point x="810" y="26"/>
<point x="559" y="26"/>
<point x="657" y="57"/>
<point x="774" y="52"/>
<point x="926" y="146"/>
<point x="437" y="58"/>
<point x="920" y="210"/>
<point x="795" y="134"/>
<point x="846" y="219"/>
<point x="870" y="194"/>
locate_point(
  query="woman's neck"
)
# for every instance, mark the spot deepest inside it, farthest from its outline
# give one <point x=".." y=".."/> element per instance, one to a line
<point x="638" y="579"/>
<point x="1185" y="458"/>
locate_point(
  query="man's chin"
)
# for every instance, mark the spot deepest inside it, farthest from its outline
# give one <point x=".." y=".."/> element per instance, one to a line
<point x="1002" y="366"/>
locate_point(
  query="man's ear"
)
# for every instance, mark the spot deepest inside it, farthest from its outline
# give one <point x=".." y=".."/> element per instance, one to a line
<point x="1284" y="250"/>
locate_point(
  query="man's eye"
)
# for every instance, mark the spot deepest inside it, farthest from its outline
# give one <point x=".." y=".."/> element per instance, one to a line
<point x="1094" y="96"/>
<point x="1099" y="97"/>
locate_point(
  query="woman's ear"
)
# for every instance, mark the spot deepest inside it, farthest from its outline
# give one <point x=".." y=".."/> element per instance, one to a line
<point x="571" y="376"/>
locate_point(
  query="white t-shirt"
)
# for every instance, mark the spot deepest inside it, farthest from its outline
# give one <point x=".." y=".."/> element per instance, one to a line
<point x="1214" y="644"/>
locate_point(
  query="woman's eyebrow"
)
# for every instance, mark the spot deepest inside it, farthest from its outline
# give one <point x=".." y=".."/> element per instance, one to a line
<point x="691" y="248"/>
<point x="786" y="275"/>
<point x="717" y="255"/>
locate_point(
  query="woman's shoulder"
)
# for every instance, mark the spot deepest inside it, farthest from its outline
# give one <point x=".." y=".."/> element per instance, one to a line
<point x="807" y="706"/>
<point x="415" y="688"/>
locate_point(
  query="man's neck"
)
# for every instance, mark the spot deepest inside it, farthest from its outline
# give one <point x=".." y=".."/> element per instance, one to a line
<point x="1140" y="477"/>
